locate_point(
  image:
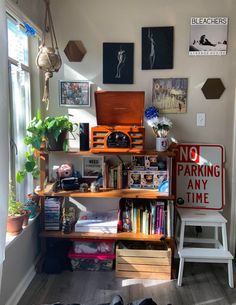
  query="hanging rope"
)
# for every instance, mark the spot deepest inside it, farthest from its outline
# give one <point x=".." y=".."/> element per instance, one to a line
<point x="48" y="58"/>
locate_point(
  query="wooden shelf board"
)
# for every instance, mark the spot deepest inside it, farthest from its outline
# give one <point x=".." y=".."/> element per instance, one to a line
<point x="114" y="152"/>
<point x="117" y="236"/>
<point x="108" y="193"/>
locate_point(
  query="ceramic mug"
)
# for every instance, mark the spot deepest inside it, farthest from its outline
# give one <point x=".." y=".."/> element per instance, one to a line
<point x="162" y="144"/>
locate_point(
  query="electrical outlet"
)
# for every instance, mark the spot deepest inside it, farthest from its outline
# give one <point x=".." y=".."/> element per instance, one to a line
<point x="201" y="119"/>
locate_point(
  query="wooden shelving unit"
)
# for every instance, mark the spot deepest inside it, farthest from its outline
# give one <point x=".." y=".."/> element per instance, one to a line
<point x="49" y="190"/>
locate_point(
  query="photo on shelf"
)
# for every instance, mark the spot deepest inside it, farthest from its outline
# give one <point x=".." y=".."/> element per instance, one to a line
<point x="92" y="166"/>
<point x="157" y="47"/>
<point x="169" y="95"/>
<point x="208" y="36"/>
<point x="74" y="93"/>
<point x="118" y="63"/>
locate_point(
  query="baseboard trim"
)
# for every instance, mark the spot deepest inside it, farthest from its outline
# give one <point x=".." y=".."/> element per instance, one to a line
<point x="23" y="285"/>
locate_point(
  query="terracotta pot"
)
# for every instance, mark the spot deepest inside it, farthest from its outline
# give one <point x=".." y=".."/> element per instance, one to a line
<point x="15" y="223"/>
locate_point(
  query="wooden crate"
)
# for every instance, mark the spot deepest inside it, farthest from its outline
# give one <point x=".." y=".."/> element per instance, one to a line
<point x="146" y="264"/>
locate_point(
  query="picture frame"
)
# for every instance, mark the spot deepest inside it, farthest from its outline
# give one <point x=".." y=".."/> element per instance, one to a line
<point x="92" y="166"/>
<point x="169" y="95"/>
<point x="74" y="93"/>
<point x="157" y="47"/>
<point x="118" y="63"/>
<point x="208" y="36"/>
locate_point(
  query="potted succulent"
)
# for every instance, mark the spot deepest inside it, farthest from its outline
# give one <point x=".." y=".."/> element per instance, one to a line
<point x="51" y="133"/>
<point x="16" y="214"/>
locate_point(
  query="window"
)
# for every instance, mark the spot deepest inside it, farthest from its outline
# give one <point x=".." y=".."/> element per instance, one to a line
<point x="20" y="100"/>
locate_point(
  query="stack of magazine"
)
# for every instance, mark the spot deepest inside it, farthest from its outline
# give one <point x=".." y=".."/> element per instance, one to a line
<point x="52" y="213"/>
<point x="97" y="222"/>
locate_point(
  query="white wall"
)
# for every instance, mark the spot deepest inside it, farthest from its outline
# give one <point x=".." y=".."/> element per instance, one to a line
<point x="19" y="266"/>
<point x="95" y="22"/>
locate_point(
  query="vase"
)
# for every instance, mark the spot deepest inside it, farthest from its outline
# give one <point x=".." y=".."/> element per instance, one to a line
<point x="162" y="144"/>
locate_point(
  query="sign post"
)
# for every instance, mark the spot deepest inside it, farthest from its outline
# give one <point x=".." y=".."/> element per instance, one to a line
<point x="200" y="176"/>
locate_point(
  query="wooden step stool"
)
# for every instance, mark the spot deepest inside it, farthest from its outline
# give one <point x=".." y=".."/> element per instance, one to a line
<point x="218" y="254"/>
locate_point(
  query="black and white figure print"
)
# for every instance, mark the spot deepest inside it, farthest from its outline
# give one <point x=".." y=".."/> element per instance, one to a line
<point x="157" y="48"/>
<point x="118" y="63"/>
<point x="208" y="36"/>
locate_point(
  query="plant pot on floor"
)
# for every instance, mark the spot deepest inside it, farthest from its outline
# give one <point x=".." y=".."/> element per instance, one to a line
<point x="54" y="145"/>
<point x="15" y="223"/>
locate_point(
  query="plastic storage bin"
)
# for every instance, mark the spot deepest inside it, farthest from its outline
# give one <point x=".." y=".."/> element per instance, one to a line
<point x="91" y="262"/>
<point x="93" y="246"/>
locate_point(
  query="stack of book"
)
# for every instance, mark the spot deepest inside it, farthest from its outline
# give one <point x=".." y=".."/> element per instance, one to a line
<point x="97" y="222"/>
<point x="52" y="209"/>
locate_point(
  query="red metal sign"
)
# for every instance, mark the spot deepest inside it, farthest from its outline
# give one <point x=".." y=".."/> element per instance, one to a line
<point x="200" y="179"/>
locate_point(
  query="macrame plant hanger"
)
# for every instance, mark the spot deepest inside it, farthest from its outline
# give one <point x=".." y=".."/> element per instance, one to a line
<point x="48" y="58"/>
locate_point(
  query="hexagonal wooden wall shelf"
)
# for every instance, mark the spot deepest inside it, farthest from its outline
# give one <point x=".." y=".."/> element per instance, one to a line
<point x="213" y="88"/>
<point x="75" y="50"/>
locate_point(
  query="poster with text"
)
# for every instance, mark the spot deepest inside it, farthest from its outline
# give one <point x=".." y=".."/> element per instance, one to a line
<point x="208" y="36"/>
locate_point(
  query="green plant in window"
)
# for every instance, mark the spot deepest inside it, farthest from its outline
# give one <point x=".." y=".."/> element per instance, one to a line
<point x="39" y="131"/>
<point x="15" y="207"/>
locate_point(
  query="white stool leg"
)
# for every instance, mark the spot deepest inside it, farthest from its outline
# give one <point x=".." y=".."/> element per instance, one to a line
<point x="224" y="237"/>
<point x="181" y="269"/>
<point x="181" y="237"/>
<point x="230" y="273"/>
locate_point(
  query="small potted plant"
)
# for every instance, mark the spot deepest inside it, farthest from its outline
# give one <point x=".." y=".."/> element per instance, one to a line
<point x="160" y="127"/>
<point x="16" y="214"/>
<point x="51" y="133"/>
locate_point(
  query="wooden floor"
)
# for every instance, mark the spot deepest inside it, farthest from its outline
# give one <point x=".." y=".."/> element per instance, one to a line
<point x="202" y="284"/>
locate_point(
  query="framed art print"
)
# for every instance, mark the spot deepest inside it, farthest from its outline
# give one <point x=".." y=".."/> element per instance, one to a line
<point x="74" y="93"/>
<point x="157" y="47"/>
<point x="208" y="36"/>
<point x="118" y="63"/>
<point x="92" y="166"/>
<point x="169" y="95"/>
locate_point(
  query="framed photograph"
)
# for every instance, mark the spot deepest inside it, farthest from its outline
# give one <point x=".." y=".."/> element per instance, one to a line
<point x="118" y="63"/>
<point x="74" y="93"/>
<point x="208" y="36"/>
<point x="170" y="94"/>
<point x="92" y="166"/>
<point x="157" y="47"/>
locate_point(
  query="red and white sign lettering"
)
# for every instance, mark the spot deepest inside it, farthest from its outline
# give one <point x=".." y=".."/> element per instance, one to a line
<point x="200" y="176"/>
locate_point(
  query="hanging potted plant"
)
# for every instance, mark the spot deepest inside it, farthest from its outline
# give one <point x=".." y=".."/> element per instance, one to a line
<point x="50" y="133"/>
<point x="16" y="214"/>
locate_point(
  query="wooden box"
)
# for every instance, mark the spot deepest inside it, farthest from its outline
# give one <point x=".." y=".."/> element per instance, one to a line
<point x="143" y="263"/>
<point x="120" y="120"/>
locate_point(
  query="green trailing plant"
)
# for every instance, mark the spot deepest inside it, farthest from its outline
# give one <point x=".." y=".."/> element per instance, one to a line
<point x="38" y="132"/>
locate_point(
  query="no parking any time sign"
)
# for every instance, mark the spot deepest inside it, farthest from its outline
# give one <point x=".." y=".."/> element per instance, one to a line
<point x="200" y="176"/>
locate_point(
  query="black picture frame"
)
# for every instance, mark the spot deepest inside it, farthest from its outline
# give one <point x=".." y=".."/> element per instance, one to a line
<point x="74" y="93"/>
<point x="118" y="63"/>
<point x="157" y="47"/>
